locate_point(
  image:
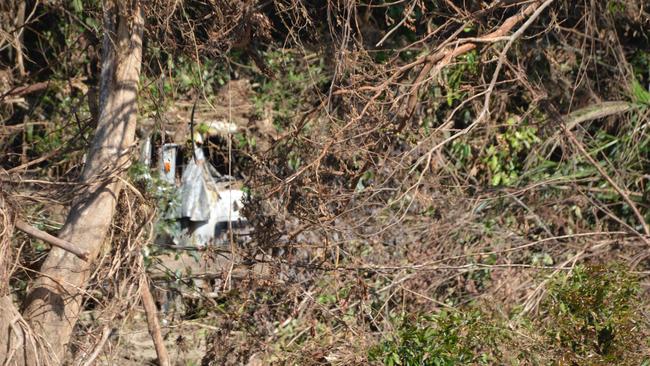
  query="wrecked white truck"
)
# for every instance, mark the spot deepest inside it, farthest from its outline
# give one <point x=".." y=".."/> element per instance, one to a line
<point x="205" y="206"/>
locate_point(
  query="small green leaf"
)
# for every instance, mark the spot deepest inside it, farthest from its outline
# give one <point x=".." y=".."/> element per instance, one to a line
<point x="639" y="93"/>
<point x="77" y="5"/>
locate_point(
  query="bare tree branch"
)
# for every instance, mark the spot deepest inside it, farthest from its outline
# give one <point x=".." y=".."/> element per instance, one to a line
<point x="53" y="240"/>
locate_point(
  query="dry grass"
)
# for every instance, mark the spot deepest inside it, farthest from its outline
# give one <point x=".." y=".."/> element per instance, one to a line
<point x="419" y="164"/>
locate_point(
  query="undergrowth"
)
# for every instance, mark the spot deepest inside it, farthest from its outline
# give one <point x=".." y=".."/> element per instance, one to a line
<point x="390" y="232"/>
<point x="591" y="315"/>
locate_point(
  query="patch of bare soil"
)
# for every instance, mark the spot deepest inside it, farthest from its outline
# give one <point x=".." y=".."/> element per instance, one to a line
<point x="231" y="106"/>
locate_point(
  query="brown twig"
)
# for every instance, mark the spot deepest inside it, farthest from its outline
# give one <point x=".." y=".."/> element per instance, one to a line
<point x="152" y="322"/>
<point x="26" y="89"/>
<point x="463" y="46"/>
<point x="52" y="240"/>
<point x="38" y="160"/>
<point x="603" y="173"/>
<point x="98" y="348"/>
<point x="18" y="38"/>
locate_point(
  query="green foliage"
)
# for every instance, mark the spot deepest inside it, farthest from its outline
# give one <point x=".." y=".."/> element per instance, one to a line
<point x="244" y="141"/>
<point x="64" y="102"/>
<point x="443" y="339"/>
<point x="593" y="316"/>
<point x="640" y="62"/>
<point x="288" y="90"/>
<point x="639" y="93"/>
<point x="180" y="77"/>
<point x="590" y="316"/>
<point x="541" y="259"/>
<point x="462" y="152"/>
<point x="504" y="158"/>
<point x="365" y="181"/>
<point x="164" y="194"/>
<point x="293" y="161"/>
<point x="455" y="76"/>
<point x="77" y="5"/>
<point x="202" y="128"/>
<point x="615" y="7"/>
<point x="191" y="75"/>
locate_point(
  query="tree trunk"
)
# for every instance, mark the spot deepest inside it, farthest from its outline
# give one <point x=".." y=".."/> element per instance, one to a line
<point x="10" y="333"/>
<point x="53" y="304"/>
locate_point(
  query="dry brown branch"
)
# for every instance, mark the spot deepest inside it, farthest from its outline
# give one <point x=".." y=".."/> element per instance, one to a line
<point x="597" y="111"/>
<point x="50" y="239"/>
<point x="26" y="89"/>
<point x="18" y="38"/>
<point x="152" y="321"/>
<point x="463" y="46"/>
<point x="6" y="254"/>
<point x="98" y="348"/>
<point x="38" y="160"/>
<point x="358" y="192"/>
<point x="536" y="9"/>
<point x="619" y="190"/>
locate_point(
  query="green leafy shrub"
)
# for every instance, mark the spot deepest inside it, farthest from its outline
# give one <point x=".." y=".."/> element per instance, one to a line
<point x="504" y="158"/>
<point x="294" y="80"/>
<point x="593" y="317"/>
<point x="590" y="316"/>
<point x="446" y="338"/>
<point x="455" y="76"/>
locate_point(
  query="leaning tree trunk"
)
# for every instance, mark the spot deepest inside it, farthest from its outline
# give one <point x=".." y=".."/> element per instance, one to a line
<point x="53" y="304"/>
